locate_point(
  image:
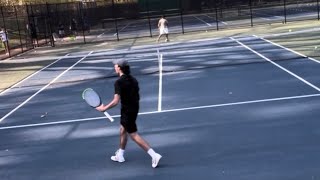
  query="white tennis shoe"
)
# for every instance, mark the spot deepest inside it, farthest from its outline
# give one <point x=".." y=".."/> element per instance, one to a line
<point x="155" y="160"/>
<point x="118" y="157"/>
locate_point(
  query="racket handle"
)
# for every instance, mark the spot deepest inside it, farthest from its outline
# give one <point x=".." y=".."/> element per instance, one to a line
<point x="108" y="116"/>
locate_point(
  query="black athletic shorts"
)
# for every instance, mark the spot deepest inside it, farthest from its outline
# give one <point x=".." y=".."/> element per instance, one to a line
<point x="128" y="120"/>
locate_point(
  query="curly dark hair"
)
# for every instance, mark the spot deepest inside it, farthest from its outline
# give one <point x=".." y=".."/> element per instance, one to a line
<point x="125" y="69"/>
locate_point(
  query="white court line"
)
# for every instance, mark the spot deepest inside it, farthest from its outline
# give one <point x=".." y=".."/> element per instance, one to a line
<point x="293" y="33"/>
<point x="160" y="84"/>
<point x="216" y="20"/>
<point x="122" y="29"/>
<point x="264" y="14"/>
<point x="263" y="18"/>
<point x="291" y="50"/>
<point x="253" y="13"/>
<point x="43" y="88"/>
<point x="1" y="93"/>
<point x="166" y="111"/>
<point x="284" y="69"/>
<point x="101" y="34"/>
<point x="268" y="19"/>
<point x="202" y="21"/>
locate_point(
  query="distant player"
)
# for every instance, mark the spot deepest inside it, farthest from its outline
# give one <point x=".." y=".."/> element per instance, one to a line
<point x="4" y="39"/>
<point x="163" y="28"/>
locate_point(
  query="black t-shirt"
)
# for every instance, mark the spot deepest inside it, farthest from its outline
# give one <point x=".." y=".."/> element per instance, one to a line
<point x="128" y="89"/>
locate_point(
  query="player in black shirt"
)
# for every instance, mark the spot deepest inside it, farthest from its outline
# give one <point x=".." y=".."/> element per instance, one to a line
<point x="127" y="91"/>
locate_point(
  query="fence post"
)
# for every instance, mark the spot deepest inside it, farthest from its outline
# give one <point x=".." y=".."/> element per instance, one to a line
<point x="217" y="16"/>
<point x="318" y="10"/>
<point x="115" y="19"/>
<point x="35" y="27"/>
<point x="251" y="17"/>
<point x="181" y="16"/>
<point x="221" y="8"/>
<point x="16" y="14"/>
<point x="148" y="13"/>
<point x="80" y="11"/>
<point x="285" y="11"/>
<point x="45" y="24"/>
<point x="50" y="26"/>
<point x="27" y="27"/>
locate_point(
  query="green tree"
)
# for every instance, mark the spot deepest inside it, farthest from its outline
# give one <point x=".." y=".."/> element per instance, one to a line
<point x="9" y="2"/>
<point x="21" y="2"/>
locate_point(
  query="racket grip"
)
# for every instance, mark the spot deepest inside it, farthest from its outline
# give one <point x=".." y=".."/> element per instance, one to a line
<point x="108" y="116"/>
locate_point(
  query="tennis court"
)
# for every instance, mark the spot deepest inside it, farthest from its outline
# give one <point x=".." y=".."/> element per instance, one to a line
<point x="228" y="108"/>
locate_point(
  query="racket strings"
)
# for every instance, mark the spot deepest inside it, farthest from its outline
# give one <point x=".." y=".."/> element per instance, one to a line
<point x="91" y="97"/>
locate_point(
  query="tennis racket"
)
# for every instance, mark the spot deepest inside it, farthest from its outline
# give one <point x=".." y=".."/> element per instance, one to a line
<point x="93" y="99"/>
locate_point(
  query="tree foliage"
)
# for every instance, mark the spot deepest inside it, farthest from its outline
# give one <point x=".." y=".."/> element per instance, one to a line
<point x="22" y="2"/>
<point x="9" y="2"/>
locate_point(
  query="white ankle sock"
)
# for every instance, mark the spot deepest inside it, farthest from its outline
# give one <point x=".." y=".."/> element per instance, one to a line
<point x="121" y="151"/>
<point x="151" y="152"/>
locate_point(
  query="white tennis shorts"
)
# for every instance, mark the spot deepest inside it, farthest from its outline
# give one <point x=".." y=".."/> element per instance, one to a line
<point x="164" y="31"/>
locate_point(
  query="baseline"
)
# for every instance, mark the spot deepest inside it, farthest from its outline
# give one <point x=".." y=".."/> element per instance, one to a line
<point x="168" y="110"/>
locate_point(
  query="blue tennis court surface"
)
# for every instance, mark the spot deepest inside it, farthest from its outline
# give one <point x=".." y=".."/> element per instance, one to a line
<point x="230" y="108"/>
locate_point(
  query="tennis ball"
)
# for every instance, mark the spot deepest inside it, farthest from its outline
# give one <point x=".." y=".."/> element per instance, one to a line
<point x="289" y="30"/>
<point x="315" y="47"/>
